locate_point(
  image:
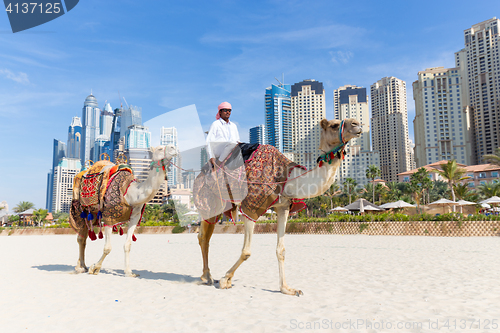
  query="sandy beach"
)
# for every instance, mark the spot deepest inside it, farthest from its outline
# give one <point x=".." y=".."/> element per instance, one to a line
<point x="352" y="283"/>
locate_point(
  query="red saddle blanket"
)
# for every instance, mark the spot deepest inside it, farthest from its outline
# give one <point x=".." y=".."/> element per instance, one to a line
<point x="256" y="184"/>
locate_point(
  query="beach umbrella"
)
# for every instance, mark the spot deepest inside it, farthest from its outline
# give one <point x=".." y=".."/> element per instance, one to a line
<point x="356" y="205"/>
<point x="485" y="205"/>
<point x="464" y="203"/>
<point x="339" y="209"/>
<point x="397" y="204"/>
<point x="191" y="213"/>
<point x="493" y="200"/>
<point x="372" y="208"/>
<point x="444" y="203"/>
<point x="361" y="207"/>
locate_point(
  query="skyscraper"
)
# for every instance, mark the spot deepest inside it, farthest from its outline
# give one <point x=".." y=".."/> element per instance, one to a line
<point x="351" y="102"/>
<point x="168" y="136"/>
<point x="90" y="128"/>
<point x="58" y="153"/>
<point x="257" y="134"/>
<point x="137" y="137"/>
<point x="106" y="121"/>
<point x="278" y="124"/>
<point x="62" y="186"/>
<point x="116" y="142"/>
<point x="441" y="122"/>
<point x="390" y="126"/>
<point x="129" y="117"/>
<point x="480" y="65"/>
<point x="74" y="138"/>
<point x="308" y="109"/>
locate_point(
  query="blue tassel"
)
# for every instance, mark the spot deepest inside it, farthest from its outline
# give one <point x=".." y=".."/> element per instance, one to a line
<point x="99" y="215"/>
<point x="90" y="217"/>
<point x="83" y="215"/>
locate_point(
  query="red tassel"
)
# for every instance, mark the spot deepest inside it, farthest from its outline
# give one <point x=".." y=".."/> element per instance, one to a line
<point x="320" y="163"/>
<point x="115" y="229"/>
<point x="134" y="238"/>
<point x="100" y="235"/>
<point x="332" y="155"/>
<point x="92" y="235"/>
<point x="121" y="231"/>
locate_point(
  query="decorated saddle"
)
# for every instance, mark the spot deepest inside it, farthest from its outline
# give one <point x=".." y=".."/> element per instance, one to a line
<point x="99" y="198"/>
<point x="255" y="183"/>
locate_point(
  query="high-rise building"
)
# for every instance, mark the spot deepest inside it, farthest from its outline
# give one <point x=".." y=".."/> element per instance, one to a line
<point x="58" y="153"/>
<point x="74" y="138"/>
<point x="139" y="160"/>
<point x="279" y="124"/>
<point x="203" y="156"/>
<point x="90" y="127"/>
<point x="257" y="134"/>
<point x="168" y="136"/>
<point x="441" y="122"/>
<point x="411" y="154"/>
<point x="106" y="121"/>
<point x="390" y="126"/>
<point x="480" y="65"/>
<point x="129" y="117"/>
<point x="62" y="186"/>
<point x="116" y="141"/>
<point x="137" y="137"/>
<point x="351" y="102"/>
<point x="308" y="109"/>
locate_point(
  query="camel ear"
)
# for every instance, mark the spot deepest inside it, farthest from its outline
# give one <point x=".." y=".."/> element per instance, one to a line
<point x="324" y="124"/>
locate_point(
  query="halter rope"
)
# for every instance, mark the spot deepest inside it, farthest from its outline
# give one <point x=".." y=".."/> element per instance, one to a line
<point x="337" y="151"/>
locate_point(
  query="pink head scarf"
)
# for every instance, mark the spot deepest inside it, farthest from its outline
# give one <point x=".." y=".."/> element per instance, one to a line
<point x="223" y="105"/>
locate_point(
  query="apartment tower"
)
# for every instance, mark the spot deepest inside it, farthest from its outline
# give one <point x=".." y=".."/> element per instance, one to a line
<point x="308" y="109"/>
<point x="390" y="126"/>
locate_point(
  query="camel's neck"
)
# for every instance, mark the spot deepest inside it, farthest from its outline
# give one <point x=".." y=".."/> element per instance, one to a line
<point x="142" y="192"/>
<point x="312" y="183"/>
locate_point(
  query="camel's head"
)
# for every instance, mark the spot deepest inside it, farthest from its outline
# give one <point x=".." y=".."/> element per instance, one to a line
<point x="330" y="132"/>
<point x="164" y="152"/>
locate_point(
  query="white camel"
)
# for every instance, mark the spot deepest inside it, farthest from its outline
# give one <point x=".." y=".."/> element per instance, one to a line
<point x="137" y="195"/>
<point x="302" y="184"/>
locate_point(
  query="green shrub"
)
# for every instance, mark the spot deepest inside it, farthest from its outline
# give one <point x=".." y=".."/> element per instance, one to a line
<point x="178" y="229"/>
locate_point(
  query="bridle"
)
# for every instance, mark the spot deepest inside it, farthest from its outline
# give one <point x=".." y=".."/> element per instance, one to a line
<point x="337" y="151"/>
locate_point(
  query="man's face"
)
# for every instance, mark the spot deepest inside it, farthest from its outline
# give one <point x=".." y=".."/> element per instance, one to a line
<point x="225" y="113"/>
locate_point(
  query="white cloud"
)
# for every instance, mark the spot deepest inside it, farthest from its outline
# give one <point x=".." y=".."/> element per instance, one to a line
<point x="19" y="77"/>
<point x="341" y="56"/>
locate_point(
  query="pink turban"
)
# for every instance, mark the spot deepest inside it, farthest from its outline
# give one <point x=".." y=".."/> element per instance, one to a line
<point x="223" y="105"/>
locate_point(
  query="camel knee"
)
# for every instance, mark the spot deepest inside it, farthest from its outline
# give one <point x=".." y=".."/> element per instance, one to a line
<point x="280" y="253"/>
<point x="81" y="240"/>
<point x="245" y="255"/>
<point x="127" y="246"/>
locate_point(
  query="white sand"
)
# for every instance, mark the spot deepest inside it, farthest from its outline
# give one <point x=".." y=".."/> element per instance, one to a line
<point x="386" y="280"/>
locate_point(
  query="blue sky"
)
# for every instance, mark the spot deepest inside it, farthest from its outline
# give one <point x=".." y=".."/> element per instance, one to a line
<point x="164" y="55"/>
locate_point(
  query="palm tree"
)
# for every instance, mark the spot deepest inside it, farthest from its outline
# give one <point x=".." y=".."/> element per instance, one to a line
<point x="463" y="192"/>
<point x="452" y="173"/>
<point x="489" y="189"/>
<point x="373" y="172"/>
<point x="493" y="158"/>
<point x="349" y="185"/>
<point x="394" y="193"/>
<point x="40" y="215"/>
<point x="330" y="193"/>
<point x="23" y="206"/>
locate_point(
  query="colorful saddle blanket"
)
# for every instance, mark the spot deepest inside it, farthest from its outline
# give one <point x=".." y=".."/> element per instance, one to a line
<point x="256" y="184"/>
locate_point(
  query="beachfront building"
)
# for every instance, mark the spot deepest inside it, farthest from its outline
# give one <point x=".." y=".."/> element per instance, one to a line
<point x="168" y="136"/>
<point x="390" y="126"/>
<point x="350" y="101"/>
<point x="441" y="122"/>
<point x="58" y="152"/>
<point x="106" y="121"/>
<point x="278" y="114"/>
<point x="90" y="127"/>
<point x="308" y="109"/>
<point x="62" y="186"/>
<point x="257" y="134"/>
<point x="480" y="69"/>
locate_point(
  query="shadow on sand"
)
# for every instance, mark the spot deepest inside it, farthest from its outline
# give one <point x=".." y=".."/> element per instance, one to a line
<point x="143" y="274"/>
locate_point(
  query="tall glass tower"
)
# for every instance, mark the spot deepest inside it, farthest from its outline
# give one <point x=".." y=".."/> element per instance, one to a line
<point x="130" y="116"/>
<point x="90" y="129"/>
<point x="169" y="137"/>
<point x="75" y="138"/>
<point x="279" y="117"/>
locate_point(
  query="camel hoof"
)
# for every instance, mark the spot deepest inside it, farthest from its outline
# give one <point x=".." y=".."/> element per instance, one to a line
<point x="131" y="275"/>
<point x="293" y="292"/>
<point x="207" y="279"/>
<point x="225" y="283"/>
<point x="94" y="269"/>
<point x="79" y="270"/>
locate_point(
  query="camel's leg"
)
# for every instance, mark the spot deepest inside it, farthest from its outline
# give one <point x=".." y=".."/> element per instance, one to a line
<point x="82" y="242"/>
<point x="206" y="231"/>
<point x="282" y="213"/>
<point x="225" y="282"/>
<point x="134" y="219"/>
<point x="95" y="268"/>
